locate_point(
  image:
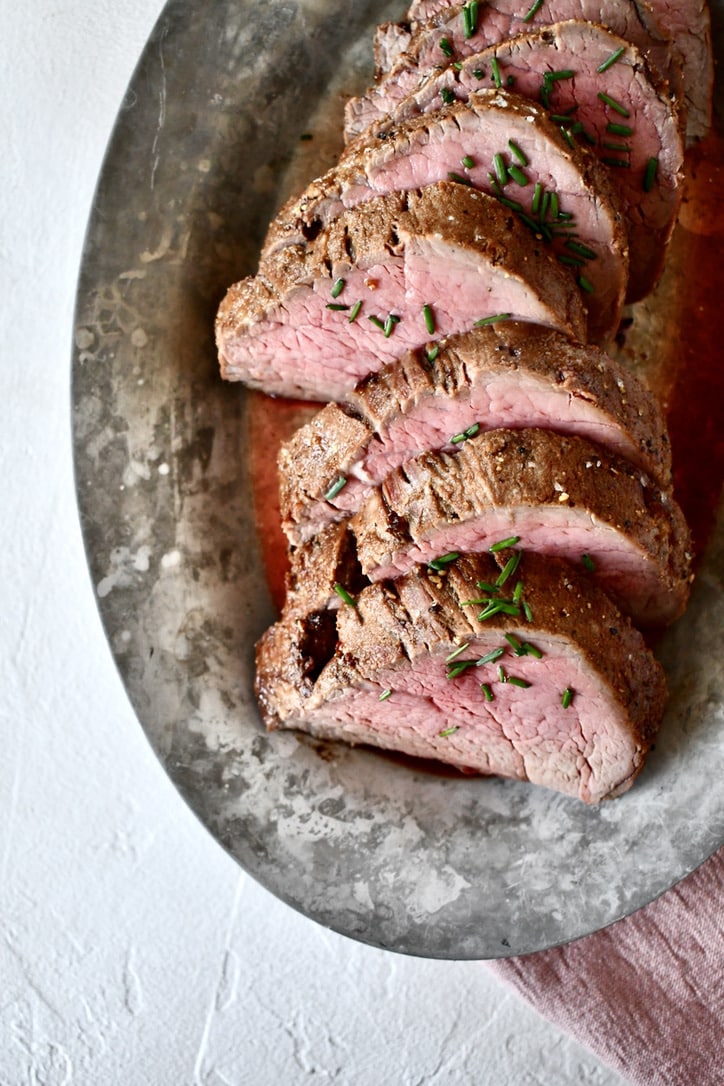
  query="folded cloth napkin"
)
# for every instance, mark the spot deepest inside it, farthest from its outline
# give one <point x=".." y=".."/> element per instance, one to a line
<point x="646" y="994"/>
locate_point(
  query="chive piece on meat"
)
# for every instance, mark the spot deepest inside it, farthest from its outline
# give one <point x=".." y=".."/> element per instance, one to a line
<point x="339" y="483"/>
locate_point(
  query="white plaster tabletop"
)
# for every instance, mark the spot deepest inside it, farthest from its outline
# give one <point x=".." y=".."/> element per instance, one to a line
<point x="134" y="950"/>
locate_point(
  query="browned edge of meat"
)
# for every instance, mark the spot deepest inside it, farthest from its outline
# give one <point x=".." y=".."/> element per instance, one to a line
<point x="408" y="635"/>
<point x="507" y="375"/>
<point x="286" y="332"/>
<point x="625" y="114"/>
<point x="412" y="55"/>
<point x="560" y="495"/>
<point x="464" y="139"/>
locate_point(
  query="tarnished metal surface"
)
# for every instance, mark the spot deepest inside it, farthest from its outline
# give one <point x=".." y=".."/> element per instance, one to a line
<point x="207" y="143"/>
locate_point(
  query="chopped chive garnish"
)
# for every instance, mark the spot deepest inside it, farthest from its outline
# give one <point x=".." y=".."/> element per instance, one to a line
<point x="514" y="643"/>
<point x="616" y="162"/>
<point x="492" y="320"/>
<point x="527" y="611"/>
<point x="510" y="80"/>
<point x="355" y="311"/>
<point x="518" y="176"/>
<point x="567" y="137"/>
<point x="501" y="674"/>
<point x="562" y="119"/>
<point x="623" y="147"/>
<point x="565" y="216"/>
<point x="580" y="249"/>
<point x="465" y="434"/>
<point x="429" y="318"/>
<point x="588" y="563"/>
<point x="532" y="10"/>
<point x="306" y="136"/>
<point x="518" y="154"/>
<point x="515" y="681"/>
<point x="544" y="205"/>
<point x="449" y="731"/>
<point x="444" y="560"/>
<point x="385" y="694"/>
<point x="446" y="46"/>
<point x="554" y="205"/>
<point x="531" y="650"/>
<point x="486" y="691"/>
<point x="562" y="73"/>
<point x="447" y="95"/>
<point x="344" y="595"/>
<point x="509" y="568"/>
<point x="570" y="261"/>
<point x="458" y="177"/>
<point x="337" y="306"/>
<point x="377" y="322"/>
<point x="498" y="607"/>
<point x="456" y="670"/>
<point x="503" y="543"/>
<point x="337" y="288"/>
<point x="456" y="652"/>
<point x="495" y="69"/>
<point x="389" y="325"/>
<point x="470" y="18"/>
<point x="610" y="61"/>
<point x="485" y="587"/>
<point x="567" y="697"/>
<point x="586" y="284"/>
<point x="518" y="592"/>
<point x="512" y="204"/>
<point x="537" y="193"/>
<point x="468" y="162"/>
<point x="613" y="104"/>
<point x="490" y="657"/>
<point x="478" y="73"/>
<point x="433" y="353"/>
<point x="501" y="170"/>
<point x="339" y="483"/>
<point x="652" y="167"/>
<point x="619" y="129"/>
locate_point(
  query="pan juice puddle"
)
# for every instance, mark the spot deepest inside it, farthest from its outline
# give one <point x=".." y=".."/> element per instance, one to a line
<point x="675" y="345"/>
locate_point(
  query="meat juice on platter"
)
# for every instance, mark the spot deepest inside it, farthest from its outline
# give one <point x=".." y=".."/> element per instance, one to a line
<point x="662" y="339"/>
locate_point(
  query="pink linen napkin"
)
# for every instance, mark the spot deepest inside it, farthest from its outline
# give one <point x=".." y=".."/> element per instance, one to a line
<point x="646" y="994"/>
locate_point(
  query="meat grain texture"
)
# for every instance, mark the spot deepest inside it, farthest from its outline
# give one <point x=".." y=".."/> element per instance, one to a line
<point x="484" y="519"/>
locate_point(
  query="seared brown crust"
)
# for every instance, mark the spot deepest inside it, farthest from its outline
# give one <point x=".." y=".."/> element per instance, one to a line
<point x="418" y="152"/>
<point x="407" y="54"/>
<point x="329" y="558"/>
<point x="479" y="235"/>
<point x="399" y="625"/>
<point x="508" y="471"/>
<point x="338" y="438"/>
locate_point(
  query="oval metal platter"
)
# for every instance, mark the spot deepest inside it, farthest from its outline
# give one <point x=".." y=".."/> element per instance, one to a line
<point x="400" y="856"/>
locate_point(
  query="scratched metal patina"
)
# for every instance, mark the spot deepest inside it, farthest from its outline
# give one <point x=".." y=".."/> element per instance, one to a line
<point x="206" y="145"/>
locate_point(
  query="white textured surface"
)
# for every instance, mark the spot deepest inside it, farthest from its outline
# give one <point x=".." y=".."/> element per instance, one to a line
<point x="132" y="950"/>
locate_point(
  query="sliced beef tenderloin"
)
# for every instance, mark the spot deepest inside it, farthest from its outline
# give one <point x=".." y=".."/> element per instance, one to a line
<point x="319" y="317"/>
<point x="508" y="375"/>
<point x="323" y="570"/>
<point x="571" y="700"/>
<point x="624" y="114"/>
<point x="458" y="32"/>
<point x="689" y="24"/>
<point x="569" y="190"/>
<point x="558" y="495"/>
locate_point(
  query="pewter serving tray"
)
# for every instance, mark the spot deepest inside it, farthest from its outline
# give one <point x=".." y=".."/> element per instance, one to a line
<point x="400" y="856"/>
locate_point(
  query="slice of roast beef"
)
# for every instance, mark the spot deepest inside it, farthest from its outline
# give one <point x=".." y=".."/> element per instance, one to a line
<point x="559" y="495"/>
<point x="689" y="24"/>
<point x="455" y="33"/>
<point x="623" y="113"/>
<point x="319" y="317"/>
<point x="462" y="140"/>
<point x="508" y="375"/>
<point x="571" y="700"/>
